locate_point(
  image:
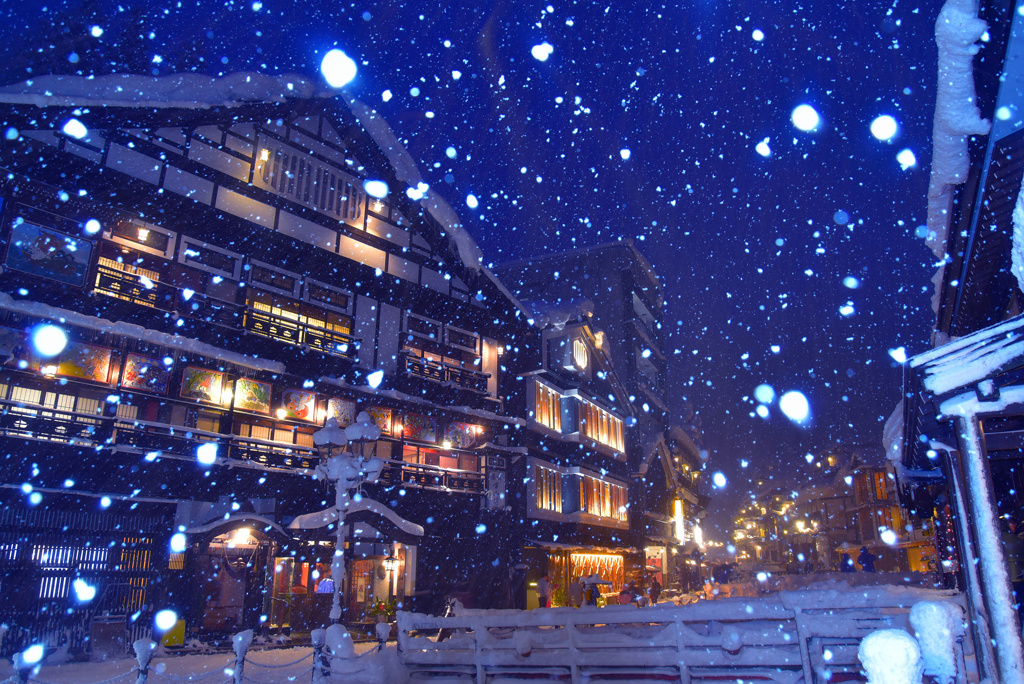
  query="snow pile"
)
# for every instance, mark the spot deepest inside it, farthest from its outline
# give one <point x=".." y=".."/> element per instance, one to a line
<point x="1017" y="251"/>
<point x="891" y="656"/>
<point x="957" y="31"/>
<point x="190" y="91"/>
<point x="557" y="314"/>
<point x="938" y="625"/>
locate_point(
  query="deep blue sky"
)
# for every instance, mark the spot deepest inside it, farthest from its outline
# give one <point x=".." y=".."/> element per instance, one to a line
<point x="748" y="247"/>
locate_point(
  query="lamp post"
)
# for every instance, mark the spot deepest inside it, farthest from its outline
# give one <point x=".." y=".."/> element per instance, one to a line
<point x="390" y="564"/>
<point x="347" y="471"/>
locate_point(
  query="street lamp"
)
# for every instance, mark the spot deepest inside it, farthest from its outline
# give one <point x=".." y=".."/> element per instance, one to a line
<point x="348" y="472"/>
<point x="391" y="564"/>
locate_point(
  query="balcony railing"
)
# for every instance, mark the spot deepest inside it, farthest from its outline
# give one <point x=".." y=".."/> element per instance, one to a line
<point x="432" y="477"/>
<point x="30" y="421"/>
<point x="149" y="437"/>
<point x="438" y="371"/>
<point x="158" y="295"/>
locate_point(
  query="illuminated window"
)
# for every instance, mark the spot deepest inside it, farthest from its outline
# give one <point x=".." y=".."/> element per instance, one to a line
<point x="879" y="480"/>
<point x="603" y="499"/>
<point x="548" y="410"/>
<point x="601" y="426"/>
<point x="549" y="489"/>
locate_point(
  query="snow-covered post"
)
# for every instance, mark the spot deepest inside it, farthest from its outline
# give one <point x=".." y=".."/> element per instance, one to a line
<point x="891" y="656"/>
<point x="143" y="653"/>
<point x="1005" y="628"/>
<point x="937" y="626"/>
<point x="321" y="669"/>
<point x="240" y="642"/>
<point x="347" y="471"/>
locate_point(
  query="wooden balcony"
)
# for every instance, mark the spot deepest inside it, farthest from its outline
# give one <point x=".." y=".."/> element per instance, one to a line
<point x="444" y="373"/>
<point x="432" y="477"/>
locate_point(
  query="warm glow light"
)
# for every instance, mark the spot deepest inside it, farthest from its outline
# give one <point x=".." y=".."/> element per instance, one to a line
<point x="378" y="205"/>
<point x="678" y="519"/>
<point x="447" y="444"/>
<point x="280" y="413"/>
<point x="264" y="154"/>
<point x="49" y="371"/>
<point x="396" y="428"/>
<point x="242" y="535"/>
<point x="143" y="234"/>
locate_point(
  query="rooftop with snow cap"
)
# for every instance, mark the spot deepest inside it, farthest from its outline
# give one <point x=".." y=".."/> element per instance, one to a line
<point x="190" y="91"/>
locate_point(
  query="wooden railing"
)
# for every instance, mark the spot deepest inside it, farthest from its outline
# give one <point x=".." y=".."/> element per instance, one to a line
<point x="808" y="636"/>
<point x="197" y="306"/>
<point x="432" y="477"/>
<point x="438" y="371"/>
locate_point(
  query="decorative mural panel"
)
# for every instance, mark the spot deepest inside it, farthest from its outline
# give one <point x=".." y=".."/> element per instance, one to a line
<point x="144" y="373"/>
<point x="299" y="405"/>
<point x="381" y="417"/>
<point x="202" y="384"/>
<point x="48" y="254"/>
<point x="420" y="428"/>
<point x="84" y="361"/>
<point x="342" y="410"/>
<point x="462" y="435"/>
<point x="252" y="395"/>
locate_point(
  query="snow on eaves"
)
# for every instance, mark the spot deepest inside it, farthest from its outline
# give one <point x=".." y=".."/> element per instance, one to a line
<point x="957" y="32"/>
<point x="137" y="332"/>
<point x="402" y="396"/>
<point x="892" y="435"/>
<point x="556" y="315"/>
<point x="972" y="359"/>
<point x="188" y="91"/>
<point x="312" y="521"/>
<point x="408" y="172"/>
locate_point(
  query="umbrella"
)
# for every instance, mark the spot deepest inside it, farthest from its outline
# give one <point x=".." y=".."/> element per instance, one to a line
<point x="594" y="579"/>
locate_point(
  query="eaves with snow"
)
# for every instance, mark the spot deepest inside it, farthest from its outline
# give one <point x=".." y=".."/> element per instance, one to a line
<point x="234" y="91"/>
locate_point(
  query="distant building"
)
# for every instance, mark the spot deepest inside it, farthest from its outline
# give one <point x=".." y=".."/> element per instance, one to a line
<point x="624" y="298"/>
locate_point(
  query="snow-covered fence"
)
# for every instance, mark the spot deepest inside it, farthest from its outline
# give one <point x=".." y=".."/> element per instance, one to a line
<point x="789" y="637"/>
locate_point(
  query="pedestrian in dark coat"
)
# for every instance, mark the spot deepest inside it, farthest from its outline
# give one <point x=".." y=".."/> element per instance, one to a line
<point x="866" y="560"/>
<point x="654" y="591"/>
<point x="846" y="564"/>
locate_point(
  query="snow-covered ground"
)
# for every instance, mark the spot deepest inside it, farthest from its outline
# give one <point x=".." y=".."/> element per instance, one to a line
<point x="283" y="665"/>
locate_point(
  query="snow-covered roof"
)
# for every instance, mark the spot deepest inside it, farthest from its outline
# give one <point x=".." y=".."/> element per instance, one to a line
<point x="973" y="358"/>
<point x="957" y="32"/>
<point x="188" y="91"/>
<point x="556" y="315"/>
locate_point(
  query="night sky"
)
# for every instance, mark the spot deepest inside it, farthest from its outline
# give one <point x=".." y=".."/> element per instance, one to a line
<point x="753" y="251"/>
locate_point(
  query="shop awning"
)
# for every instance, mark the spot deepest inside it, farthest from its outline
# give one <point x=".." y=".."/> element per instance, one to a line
<point x="568" y="546"/>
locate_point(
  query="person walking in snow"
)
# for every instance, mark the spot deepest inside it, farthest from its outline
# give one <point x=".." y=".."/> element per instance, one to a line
<point x="654" y="591"/>
<point x="544" y="591"/>
<point x="866" y="560"/>
<point x="575" y="593"/>
<point x="846" y="564"/>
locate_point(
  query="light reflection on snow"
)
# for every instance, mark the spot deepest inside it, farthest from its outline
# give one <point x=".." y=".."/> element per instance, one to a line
<point x="542" y="51"/>
<point x="805" y="118"/>
<point x="794" y="404"/>
<point x="884" y="127"/>
<point x="906" y="159"/>
<point x="338" y="68"/>
<point x="75" y="128"/>
<point x="764" y="393"/>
